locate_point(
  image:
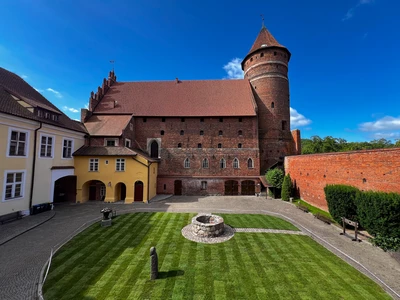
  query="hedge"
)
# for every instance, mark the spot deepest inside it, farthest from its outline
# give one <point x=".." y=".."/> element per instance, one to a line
<point x="341" y="201"/>
<point x="286" y="188"/>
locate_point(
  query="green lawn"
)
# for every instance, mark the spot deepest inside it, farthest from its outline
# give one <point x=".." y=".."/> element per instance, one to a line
<point x="256" y="221"/>
<point x="113" y="263"/>
<point x="314" y="210"/>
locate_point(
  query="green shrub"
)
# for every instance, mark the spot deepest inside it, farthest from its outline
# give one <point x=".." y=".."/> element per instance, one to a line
<point x="379" y="213"/>
<point x="341" y="201"/>
<point x="286" y="187"/>
<point x="275" y="177"/>
<point x="386" y="243"/>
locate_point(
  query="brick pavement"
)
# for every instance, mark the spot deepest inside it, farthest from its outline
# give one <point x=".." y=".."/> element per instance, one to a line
<point x="24" y="256"/>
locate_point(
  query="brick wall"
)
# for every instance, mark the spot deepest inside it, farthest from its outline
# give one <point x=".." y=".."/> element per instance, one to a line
<point x="377" y="170"/>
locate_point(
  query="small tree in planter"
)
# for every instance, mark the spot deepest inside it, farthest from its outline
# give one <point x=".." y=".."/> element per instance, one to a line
<point x="286" y="187"/>
<point x="275" y="178"/>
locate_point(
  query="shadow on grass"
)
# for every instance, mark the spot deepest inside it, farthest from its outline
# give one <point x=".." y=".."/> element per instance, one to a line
<point x="172" y="273"/>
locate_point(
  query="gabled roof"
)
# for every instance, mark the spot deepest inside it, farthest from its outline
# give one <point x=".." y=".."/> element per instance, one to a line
<point x="13" y="85"/>
<point x="192" y="98"/>
<point x="107" y="125"/>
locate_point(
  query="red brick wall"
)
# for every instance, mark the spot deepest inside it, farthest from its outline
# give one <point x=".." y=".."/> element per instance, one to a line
<point x="377" y="170"/>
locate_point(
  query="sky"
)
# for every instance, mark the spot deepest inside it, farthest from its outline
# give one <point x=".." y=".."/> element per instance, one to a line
<point x="343" y="72"/>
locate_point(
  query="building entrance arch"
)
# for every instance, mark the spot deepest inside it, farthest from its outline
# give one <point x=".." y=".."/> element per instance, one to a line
<point x="138" y="191"/>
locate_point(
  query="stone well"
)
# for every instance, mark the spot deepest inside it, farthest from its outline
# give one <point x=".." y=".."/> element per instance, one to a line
<point x="207" y="225"/>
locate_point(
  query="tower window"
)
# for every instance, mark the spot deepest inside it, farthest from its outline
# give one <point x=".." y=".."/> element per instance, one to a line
<point x="272" y="104"/>
<point x="262" y="54"/>
<point x="236" y="163"/>
<point x="182" y="132"/>
<point x="205" y="163"/>
<point x="182" y="119"/>
<point x="250" y="163"/>
<point x="240" y="133"/>
<point x="187" y="163"/>
<point x="201" y="132"/>
<point x="284" y="125"/>
<point x="222" y="164"/>
<point x="251" y="59"/>
<point x="180" y="145"/>
<point x="220" y="133"/>
<point x="201" y="120"/>
<point x="240" y="120"/>
<point x="221" y="119"/>
<point x="239" y="145"/>
<point x="199" y="145"/>
<point x="162" y="132"/>
<point x="162" y="119"/>
<point x="219" y="145"/>
<point x="274" y="53"/>
<point x="144" y="120"/>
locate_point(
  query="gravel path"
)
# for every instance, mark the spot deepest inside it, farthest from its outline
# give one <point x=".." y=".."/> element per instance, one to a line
<point x="24" y="254"/>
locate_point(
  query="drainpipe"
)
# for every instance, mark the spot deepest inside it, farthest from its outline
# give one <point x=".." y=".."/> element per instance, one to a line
<point x="148" y="182"/>
<point x="33" y="165"/>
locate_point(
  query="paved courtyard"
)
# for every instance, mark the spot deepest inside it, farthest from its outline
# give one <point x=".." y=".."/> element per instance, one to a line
<point x="23" y="254"/>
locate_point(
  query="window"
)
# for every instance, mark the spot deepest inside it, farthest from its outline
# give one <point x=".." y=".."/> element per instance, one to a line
<point x="94" y="165"/>
<point x="275" y="53"/>
<point x="54" y="117"/>
<point x="182" y="132"/>
<point x="205" y="163"/>
<point x="187" y="163"/>
<point x="221" y="119"/>
<point x="182" y="119"/>
<point x="220" y="133"/>
<point x="120" y="164"/>
<point x="222" y="164"/>
<point x="272" y="105"/>
<point x="14" y="185"/>
<point x="251" y="59"/>
<point x="262" y="54"/>
<point x="220" y="145"/>
<point x="204" y="185"/>
<point x="284" y="125"/>
<point x="128" y="143"/>
<point x="46" y="146"/>
<point x="236" y="163"/>
<point x="240" y="133"/>
<point x="201" y="120"/>
<point x="199" y="145"/>
<point x="110" y="142"/>
<point x="102" y="191"/>
<point x="47" y="115"/>
<point x="250" y="163"/>
<point x="165" y="186"/>
<point x="180" y="145"/>
<point x="162" y="119"/>
<point x="201" y="132"/>
<point x="40" y="113"/>
<point x="106" y="162"/>
<point x="18" y="143"/>
<point x="239" y="145"/>
<point x="162" y="132"/>
<point x="67" y="148"/>
<point x="240" y="120"/>
<point x="131" y="126"/>
<point x="144" y="120"/>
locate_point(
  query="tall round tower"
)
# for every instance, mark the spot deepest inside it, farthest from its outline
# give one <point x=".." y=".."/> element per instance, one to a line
<point x="266" y="67"/>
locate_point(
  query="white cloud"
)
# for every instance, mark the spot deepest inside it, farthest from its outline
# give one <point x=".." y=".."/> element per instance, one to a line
<point x="386" y="135"/>
<point x="38" y="90"/>
<point x="57" y="93"/>
<point x="387" y="123"/>
<point x="24" y="76"/>
<point x="297" y="119"/>
<point x="350" y="12"/>
<point x="234" y="69"/>
<point x="73" y="110"/>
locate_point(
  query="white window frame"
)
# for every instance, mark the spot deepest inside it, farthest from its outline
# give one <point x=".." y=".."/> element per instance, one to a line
<point x="222" y="163"/>
<point x="252" y="163"/>
<point x="63" y="146"/>
<point x="115" y="141"/>
<point x="129" y="143"/>
<point x="205" y="164"/>
<point x="53" y="138"/>
<point x="204" y="185"/>
<point x="95" y="162"/>
<point x="27" y="138"/>
<point x="22" y="182"/>
<point x="120" y="164"/>
<point x="186" y="163"/>
<point x="235" y="163"/>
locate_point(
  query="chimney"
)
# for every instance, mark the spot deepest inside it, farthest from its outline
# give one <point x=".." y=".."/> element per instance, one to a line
<point x="85" y="114"/>
<point x="177" y="80"/>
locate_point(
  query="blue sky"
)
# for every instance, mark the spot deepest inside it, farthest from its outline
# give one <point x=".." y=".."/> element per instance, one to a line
<point x="344" y="79"/>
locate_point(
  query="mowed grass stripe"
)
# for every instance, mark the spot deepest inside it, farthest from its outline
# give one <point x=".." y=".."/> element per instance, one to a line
<point x="257" y="221"/>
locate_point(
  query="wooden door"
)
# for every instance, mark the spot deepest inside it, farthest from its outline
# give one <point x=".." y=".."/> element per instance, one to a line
<point x="92" y="192"/>
<point x="248" y="187"/>
<point x="178" y="187"/>
<point x="231" y="188"/>
<point x="138" y="191"/>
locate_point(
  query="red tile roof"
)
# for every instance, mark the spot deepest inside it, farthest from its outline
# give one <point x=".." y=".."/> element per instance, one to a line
<point x="191" y="98"/>
<point x="264" y="39"/>
<point x="107" y="125"/>
<point x="104" y="151"/>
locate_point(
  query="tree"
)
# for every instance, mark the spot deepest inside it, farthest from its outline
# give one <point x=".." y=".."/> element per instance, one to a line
<point x="286" y="187"/>
<point x="275" y="177"/>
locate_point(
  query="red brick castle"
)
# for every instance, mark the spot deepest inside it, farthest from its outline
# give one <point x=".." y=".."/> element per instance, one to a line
<point x="210" y="136"/>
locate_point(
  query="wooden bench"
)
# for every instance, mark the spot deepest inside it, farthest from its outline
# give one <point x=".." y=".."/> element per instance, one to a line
<point x="323" y="218"/>
<point x="10" y="217"/>
<point x="302" y="207"/>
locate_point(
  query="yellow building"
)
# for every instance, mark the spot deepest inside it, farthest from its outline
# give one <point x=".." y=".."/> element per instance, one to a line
<point x="36" y="163"/>
<point x="112" y="174"/>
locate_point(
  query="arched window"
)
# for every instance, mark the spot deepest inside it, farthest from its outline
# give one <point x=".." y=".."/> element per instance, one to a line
<point x="272" y="104"/>
<point x="250" y="163"/>
<point x="235" y="163"/>
<point x="182" y="132"/>
<point x="220" y="133"/>
<point x="239" y="145"/>
<point x="187" y="163"/>
<point x="201" y="132"/>
<point x="199" y="145"/>
<point x="222" y="163"/>
<point x="219" y="145"/>
<point x="205" y="163"/>
<point x="240" y="132"/>
<point x="154" y="149"/>
<point x="180" y="145"/>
